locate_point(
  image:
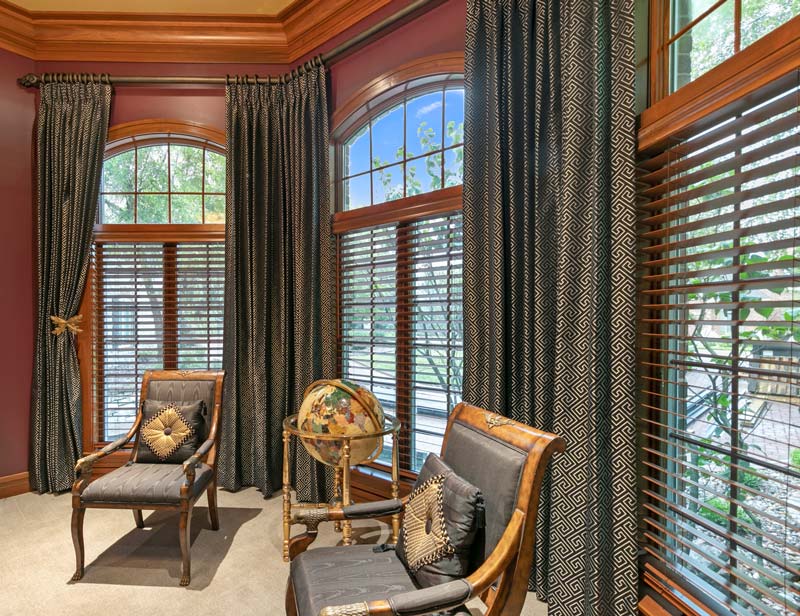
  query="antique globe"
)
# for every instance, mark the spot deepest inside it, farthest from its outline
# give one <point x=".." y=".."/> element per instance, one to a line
<point x="340" y="407"/>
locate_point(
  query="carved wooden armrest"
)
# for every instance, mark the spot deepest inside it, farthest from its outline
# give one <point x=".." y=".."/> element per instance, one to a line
<point x="84" y="466"/>
<point x="311" y="518"/>
<point x="190" y="465"/>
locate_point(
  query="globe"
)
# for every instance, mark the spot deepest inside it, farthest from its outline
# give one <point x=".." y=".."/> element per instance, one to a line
<point x="341" y="407"/>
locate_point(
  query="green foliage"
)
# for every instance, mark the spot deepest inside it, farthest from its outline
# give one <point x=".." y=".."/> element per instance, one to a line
<point x="794" y="458"/>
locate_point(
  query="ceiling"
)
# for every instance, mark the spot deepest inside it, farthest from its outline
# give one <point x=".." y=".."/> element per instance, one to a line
<point x="186" y="7"/>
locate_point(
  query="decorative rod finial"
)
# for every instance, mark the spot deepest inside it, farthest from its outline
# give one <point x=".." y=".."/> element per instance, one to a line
<point x="29" y="81"/>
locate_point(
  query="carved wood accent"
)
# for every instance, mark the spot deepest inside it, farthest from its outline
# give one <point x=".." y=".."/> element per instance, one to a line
<point x="284" y="38"/>
<point x="12" y="485"/>
<point x="138" y="128"/>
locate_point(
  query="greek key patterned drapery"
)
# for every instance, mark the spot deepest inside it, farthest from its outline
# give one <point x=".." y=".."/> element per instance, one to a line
<point x="280" y="322"/>
<point x="72" y="128"/>
<point x="549" y="272"/>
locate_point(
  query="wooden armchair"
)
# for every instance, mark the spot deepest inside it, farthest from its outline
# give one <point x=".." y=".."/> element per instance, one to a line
<point x="140" y="486"/>
<point x="503" y="458"/>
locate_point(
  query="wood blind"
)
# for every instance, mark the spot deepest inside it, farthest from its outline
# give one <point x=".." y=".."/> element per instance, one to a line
<point x="401" y="324"/>
<point x="156" y="305"/>
<point x="720" y="215"/>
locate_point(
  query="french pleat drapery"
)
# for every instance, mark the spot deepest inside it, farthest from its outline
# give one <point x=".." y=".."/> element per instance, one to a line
<point x="71" y="137"/>
<point x="280" y="323"/>
<point x="549" y="276"/>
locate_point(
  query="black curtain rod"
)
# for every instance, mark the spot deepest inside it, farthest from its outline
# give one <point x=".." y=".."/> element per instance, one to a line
<point x="32" y="80"/>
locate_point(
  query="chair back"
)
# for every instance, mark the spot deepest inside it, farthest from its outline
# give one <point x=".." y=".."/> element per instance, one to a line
<point x="186" y="386"/>
<point x="506" y="460"/>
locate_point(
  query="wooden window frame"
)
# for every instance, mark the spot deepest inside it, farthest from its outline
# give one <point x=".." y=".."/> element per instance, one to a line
<point x="370" y="482"/>
<point x="666" y="120"/>
<point x="120" y="138"/>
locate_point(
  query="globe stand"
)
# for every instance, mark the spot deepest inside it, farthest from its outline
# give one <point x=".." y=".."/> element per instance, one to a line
<point x="341" y="478"/>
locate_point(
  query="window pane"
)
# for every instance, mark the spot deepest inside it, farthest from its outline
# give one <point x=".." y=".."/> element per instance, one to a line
<point x="118" y="173"/>
<point x="454" y="117"/>
<point x="703" y="47"/>
<point x="424" y="174"/>
<point x="356" y="192"/>
<point x="186" y="167"/>
<point x="424" y="124"/>
<point x="215" y="172"/>
<point x="387" y="184"/>
<point x="215" y="209"/>
<point x="760" y="17"/>
<point x="685" y="11"/>
<point x="387" y="138"/>
<point x="356" y="153"/>
<point x="116" y="209"/>
<point x="187" y="209"/>
<point x="152" y="170"/>
<point x="153" y="209"/>
<point x="454" y="167"/>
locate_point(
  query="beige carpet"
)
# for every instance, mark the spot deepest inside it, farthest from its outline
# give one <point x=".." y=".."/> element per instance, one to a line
<point x="236" y="571"/>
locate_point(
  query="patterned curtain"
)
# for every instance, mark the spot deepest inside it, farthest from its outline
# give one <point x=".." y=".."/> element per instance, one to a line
<point x="280" y="323"/>
<point x="549" y="280"/>
<point x="72" y="129"/>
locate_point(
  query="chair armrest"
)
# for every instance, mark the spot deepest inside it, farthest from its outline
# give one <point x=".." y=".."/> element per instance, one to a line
<point x="312" y="517"/>
<point x="191" y="464"/>
<point x="417" y="602"/>
<point x="85" y="464"/>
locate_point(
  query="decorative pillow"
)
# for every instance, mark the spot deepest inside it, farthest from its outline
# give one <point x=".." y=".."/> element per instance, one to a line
<point x="443" y="514"/>
<point x="171" y="431"/>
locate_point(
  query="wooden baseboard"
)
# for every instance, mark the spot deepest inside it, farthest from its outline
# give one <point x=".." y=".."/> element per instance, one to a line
<point x="11" y="485"/>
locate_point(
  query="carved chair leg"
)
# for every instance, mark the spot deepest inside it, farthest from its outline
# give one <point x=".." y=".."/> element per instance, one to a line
<point x="77" y="541"/>
<point x="212" y="506"/>
<point x="184" y="532"/>
<point x="291" y="604"/>
<point x="138" y="518"/>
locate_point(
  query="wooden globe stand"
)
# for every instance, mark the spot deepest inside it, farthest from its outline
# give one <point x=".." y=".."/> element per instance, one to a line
<point x="341" y="486"/>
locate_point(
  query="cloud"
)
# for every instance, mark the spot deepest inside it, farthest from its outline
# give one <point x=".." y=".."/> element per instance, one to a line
<point x="428" y="108"/>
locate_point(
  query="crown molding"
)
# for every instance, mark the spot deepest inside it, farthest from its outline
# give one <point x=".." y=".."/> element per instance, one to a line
<point x="296" y="31"/>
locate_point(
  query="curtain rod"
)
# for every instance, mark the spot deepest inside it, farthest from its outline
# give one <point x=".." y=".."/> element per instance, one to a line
<point x="32" y="80"/>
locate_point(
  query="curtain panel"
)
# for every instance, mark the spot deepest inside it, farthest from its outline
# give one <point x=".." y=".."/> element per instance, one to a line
<point x="549" y="272"/>
<point x="71" y="138"/>
<point x="280" y="313"/>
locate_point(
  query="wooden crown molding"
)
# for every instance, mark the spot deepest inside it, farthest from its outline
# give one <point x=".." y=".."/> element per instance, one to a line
<point x="296" y="31"/>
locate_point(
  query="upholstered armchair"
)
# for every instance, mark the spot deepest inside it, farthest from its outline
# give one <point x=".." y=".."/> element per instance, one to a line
<point x="173" y="460"/>
<point x="505" y="461"/>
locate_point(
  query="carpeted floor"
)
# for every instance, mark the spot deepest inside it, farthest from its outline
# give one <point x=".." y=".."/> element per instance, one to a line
<point x="237" y="570"/>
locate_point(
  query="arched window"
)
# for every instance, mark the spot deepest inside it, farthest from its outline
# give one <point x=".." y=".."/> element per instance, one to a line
<point x="158" y="265"/>
<point x="399" y="154"/>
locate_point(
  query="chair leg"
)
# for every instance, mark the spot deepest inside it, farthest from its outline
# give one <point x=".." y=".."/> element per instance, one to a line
<point x="290" y="606"/>
<point x="138" y="518"/>
<point x="77" y="541"/>
<point x="184" y="533"/>
<point x="212" y="505"/>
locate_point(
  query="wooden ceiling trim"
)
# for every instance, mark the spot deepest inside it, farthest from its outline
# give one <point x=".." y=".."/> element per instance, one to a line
<point x="296" y="31"/>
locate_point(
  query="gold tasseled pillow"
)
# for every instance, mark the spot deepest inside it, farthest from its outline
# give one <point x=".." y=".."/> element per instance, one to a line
<point x="424" y="531"/>
<point x="166" y="432"/>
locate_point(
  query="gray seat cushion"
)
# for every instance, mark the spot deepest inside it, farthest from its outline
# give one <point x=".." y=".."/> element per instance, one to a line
<point x="325" y="577"/>
<point x="145" y="483"/>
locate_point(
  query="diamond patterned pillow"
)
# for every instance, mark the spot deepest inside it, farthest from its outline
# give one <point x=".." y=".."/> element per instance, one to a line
<point x="171" y="431"/>
<point x="442" y="517"/>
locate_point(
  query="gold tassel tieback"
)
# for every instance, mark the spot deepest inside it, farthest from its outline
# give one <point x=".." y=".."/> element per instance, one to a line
<point x="71" y="324"/>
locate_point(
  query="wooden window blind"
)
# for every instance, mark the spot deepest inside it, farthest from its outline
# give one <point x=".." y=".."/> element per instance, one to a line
<point x="401" y="324"/>
<point x="156" y="305"/>
<point x="720" y="215"/>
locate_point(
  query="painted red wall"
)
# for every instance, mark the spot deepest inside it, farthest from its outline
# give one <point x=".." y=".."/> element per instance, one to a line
<point x="438" y="30"/>
<point x="17" y="275"/>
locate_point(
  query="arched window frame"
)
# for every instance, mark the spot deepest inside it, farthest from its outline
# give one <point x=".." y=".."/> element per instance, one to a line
<point x="121" y="138"/>
<point x="406" y="217"/>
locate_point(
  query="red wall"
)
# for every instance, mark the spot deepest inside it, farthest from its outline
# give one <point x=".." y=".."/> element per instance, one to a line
<point x="438" y="30"/>
<point x="17" y="108"/>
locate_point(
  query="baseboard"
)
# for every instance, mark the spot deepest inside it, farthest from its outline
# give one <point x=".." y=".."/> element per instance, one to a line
<point x="11" y="485"/>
